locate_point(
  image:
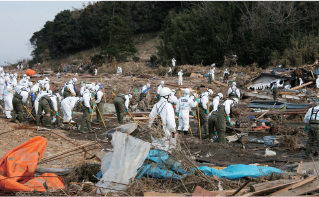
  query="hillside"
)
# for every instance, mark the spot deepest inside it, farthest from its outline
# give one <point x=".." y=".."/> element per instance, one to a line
<point x="145" y="44"/>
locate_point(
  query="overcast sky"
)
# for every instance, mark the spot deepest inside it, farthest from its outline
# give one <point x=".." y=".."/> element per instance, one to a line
<point x="20" y="19"/>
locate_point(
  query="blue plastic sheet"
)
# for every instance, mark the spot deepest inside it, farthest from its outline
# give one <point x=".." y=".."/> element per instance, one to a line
<point x="165" y="167"/>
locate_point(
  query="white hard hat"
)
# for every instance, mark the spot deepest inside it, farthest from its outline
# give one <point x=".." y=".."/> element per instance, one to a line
<point x="173" y="90"/>
<point x="162" y="82"/>
<point x="45" y="79"/>
<point x="210" y="92"/>
<point x="30" y="84"/>
<point x="15" y="75"/>
<point x="165" y="91"/>
<point x="186" y="91"/>
<point x="11" y="75"/>
<point x="74" y="80"/>
<point x="220" y="95"/>
<point x="148" y="85"/>
<point x="234" y="83"/>
<point x="236" y="100"/>
<point x="130" y="96"/>
<point x="24" y="75"/>
<point x="18" y="90"/>
<point x="28" y="77"/>
<point x="50" y="92"/>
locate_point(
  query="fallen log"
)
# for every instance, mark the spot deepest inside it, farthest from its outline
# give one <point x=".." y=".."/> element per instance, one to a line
<point x="303" y="85"/>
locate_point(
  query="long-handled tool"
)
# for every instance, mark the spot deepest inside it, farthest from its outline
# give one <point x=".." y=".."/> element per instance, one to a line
<point x="29" y="112"/>
<point x="103" y="91"/>
<point x="200" y="133"/>
<point x="99" y="112"/>
<point x="63" y="119"/>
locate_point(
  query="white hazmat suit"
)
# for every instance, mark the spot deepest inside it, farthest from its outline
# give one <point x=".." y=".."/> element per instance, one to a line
<point x="67" y="106"/>
<point x="180" y="77"/>
<point x="183" y="107"/>
<point x="173" y="62"/>
<point x="8" y="96"/>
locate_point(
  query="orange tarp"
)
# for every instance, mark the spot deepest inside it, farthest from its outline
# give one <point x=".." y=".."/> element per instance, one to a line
<point x="30" y="72"/>
<point x="17" y="168"/>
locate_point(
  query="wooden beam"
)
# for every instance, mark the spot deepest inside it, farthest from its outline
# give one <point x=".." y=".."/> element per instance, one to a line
<point x="263" y="114"/>
<point x="220" y="83"/>
<point x="269" y="190"/>
<point x="303" y="85"/>
<point x="269" y="184"/>
<point x="307" y="188"/>
<point x="295" y="185"/>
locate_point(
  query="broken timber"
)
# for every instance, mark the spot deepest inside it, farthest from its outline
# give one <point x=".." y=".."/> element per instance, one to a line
<point x="249" y="94"/>
<point x="303" y="85"/>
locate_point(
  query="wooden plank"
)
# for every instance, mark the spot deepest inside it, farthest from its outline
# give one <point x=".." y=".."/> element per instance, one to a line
<point x="269" y="184"/>
<point x="290" y="97"/>
<point x="307" y="188"/>
<point x="295" y="185"/>
<point x="287" y="92"/>
<point x="303" y="85"/>
<point x="299" y="168"/>
<point x="269" y="190"/>
<point x="263" y="114"/>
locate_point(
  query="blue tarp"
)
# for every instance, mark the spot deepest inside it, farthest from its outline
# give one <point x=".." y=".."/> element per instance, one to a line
<point x="165" y="167"/>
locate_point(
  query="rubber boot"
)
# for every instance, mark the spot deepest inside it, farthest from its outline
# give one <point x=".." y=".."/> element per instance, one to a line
<point x="185" y="132"/>
<point x="82" y="129"/>
<point x="48" y="121"/>
<point x="89" y="126"/>
<point x="20" y="117"/>
<point x="179" y="131"/>
<point x="13" y="118"/>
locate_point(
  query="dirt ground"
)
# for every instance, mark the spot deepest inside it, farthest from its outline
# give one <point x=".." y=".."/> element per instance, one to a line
<point x="204" y="152"/>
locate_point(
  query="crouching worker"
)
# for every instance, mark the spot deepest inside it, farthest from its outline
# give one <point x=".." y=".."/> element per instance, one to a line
<point x="19" y="99"/>
<point x="87" y="110"/>
<point x="46" y="106"/>
<point x="223" y="117"/>
<point x="212" y="120"/>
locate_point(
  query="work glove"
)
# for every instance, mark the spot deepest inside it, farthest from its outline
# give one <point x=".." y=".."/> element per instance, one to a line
<point x="90" y="110"/>
<point x="22" y="104"/>
<point x="127" y="110"/>
<point x="72" y="113"/>
<point x="192" y="113"/>
<point x="227" y="118"/>
<point x="206" y="111"/>
<point x="57" y="113"/>
<point x="231" y="124"/>
<point x="93" y="104"/>
<point x="177" y="114"/>
<point x="307" y="127"/>
<point x="239" y="99"/>
<point x="197" y="100"/>
<point x="215" y="132"/>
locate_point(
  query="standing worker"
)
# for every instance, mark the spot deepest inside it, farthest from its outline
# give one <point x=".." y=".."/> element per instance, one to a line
<point x="2" y="84"/>
<point x="183" y="108"/>
<point x="173" y="62"/>
<point x="317" y="82"/>
<point x="86" y="109"/>
<point x="274" y="91"/>
<point x="99" y="101"/>
<point x="95" y="71"/>
<point x="170" y="71"/>
<point x="212" y="119"/>
<point x="203" y="110"/>
<point x="82" y="89"/>
<point x="312" y="127"/>
<point x="8" y="96"/>
<point x="180" y="77"/>
<point x="210" y="76"/>
<point x="67" y="105"/>
<point x="143" y="93"/>
<point x="18" y="67"/>
<point x="19" y="99"/>
<point x="121" y="102"/>
<point x="225" y="76"/>
<point x="233" y="92"/>
<point x="223" y="116"/>
<point x="166" y="111"/>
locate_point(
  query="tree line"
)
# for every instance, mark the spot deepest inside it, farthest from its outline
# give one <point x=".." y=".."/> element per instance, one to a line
<point x="257" y="33"/>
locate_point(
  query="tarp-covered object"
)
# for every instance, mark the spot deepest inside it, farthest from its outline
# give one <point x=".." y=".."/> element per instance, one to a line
<point x="122" y="164"/>
<point x="30" y="72"/>
<point x="17" y="168"/>
<point x="165" y="167"/>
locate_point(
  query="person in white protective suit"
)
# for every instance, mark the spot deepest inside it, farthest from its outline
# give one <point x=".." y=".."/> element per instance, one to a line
<point x="183" y="108"/>
<point x="169" y="71"/>
<point x="87" y="109"/>
<point x="13" y="79"/>
<point x="54" y="102"/>
<point x="99" y="100"/>
<point x="7" y="77"/>
<point x="46" y="84"/>
<point x="19" y="99"/>
<point x="212" y="116"/>
<point x="67" y="105"/>
<point x="180" y="77"/>
<point x="36" y="102"/>
<point x="159" y="87"/>
<point x="2" y="84"/>
<point x="119" y="70"/>
<point x="69" y="88"/>
<point x="18" y="67"/>
<point x="203" y="109"/>
<point x="83" y="84"/>
<point x="8" y="96"/>
<point x="166" y="111"/>
<point x="23" y="81"/>
<point x="95" y="72"/>
<point x="215" y="102"/>
<point x="173" y="99"/>
<point x="21" y="66"/>
<point x="173" y="62"/>
<point x="213" y="73"/>
<point x="300" y="81"/>
<point x="233" y="91"/>
<point x="317" y="82"/>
